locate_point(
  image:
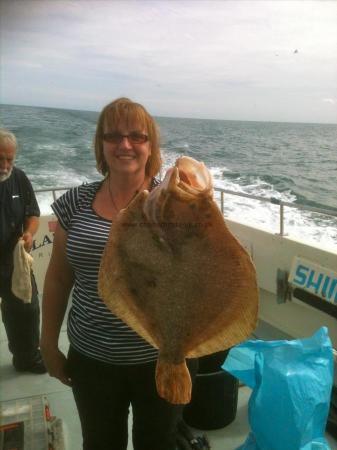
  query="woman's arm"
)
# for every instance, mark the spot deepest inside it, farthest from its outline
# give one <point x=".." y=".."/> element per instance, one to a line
<point x="57" y="286"/>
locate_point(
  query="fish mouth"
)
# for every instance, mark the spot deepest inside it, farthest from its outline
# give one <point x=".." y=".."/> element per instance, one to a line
<point x="187" y="181"/>
<point x="193" y="177"/>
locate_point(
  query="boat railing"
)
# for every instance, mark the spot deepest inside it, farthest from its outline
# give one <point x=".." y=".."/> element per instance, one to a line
<point x="275" y="201"/>
<point x="53" y="190"/>
<point x="271" y="200"/>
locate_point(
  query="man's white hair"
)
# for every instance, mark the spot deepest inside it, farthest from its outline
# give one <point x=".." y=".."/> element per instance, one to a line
<point x="6" y="137"/>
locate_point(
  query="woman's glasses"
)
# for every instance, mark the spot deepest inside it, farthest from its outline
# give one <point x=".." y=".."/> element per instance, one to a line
<point x="134" y="137"/>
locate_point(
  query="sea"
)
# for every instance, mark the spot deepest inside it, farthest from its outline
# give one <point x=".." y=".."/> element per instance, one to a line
<point x="290" y="162"/>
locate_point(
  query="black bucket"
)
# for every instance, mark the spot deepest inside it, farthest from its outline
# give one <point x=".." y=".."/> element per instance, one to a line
<point x="214" y="397"/>
<point x="212" y="363"/>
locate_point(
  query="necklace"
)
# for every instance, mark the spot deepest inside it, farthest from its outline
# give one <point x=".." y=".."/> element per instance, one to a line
<point x="113" y="201"/>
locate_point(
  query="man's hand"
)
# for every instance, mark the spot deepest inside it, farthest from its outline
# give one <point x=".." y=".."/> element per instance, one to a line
<point x="30" y="226"/>
<point x="28" y="238"/>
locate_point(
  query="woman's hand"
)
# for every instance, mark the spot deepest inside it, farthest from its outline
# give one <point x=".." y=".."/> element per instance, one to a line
<point x="56" y="362"/>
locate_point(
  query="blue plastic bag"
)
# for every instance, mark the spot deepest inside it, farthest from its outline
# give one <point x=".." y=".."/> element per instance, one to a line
<point x="291" y="382"/>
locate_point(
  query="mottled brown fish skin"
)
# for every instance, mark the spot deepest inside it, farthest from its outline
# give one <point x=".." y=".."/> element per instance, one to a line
<point x="183" y="282"/>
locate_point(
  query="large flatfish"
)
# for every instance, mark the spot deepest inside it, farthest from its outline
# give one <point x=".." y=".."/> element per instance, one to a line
<point x="173" y="271"/>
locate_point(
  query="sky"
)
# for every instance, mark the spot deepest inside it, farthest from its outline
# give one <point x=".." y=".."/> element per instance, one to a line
<point x="273" y="60"/>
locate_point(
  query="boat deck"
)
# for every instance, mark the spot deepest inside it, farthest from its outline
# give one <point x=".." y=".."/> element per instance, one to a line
<point x="15" y="386"/>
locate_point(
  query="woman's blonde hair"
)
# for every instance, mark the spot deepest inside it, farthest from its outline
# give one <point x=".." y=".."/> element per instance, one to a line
<point x="126" y="112"/>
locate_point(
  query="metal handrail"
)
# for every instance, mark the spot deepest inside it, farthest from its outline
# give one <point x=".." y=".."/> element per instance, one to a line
<point x="272" y="200"/>
<point x="53" y="190"/>
<point x="275" y="201"/>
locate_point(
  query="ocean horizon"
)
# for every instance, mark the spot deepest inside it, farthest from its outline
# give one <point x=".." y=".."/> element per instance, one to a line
<point x="173" y="117"/>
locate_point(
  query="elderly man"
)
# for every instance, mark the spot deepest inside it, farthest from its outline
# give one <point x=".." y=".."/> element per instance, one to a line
<point x="19" y="214"/>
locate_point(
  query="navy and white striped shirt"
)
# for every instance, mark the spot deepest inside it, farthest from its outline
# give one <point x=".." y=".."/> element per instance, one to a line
<point x="92" y="329"/>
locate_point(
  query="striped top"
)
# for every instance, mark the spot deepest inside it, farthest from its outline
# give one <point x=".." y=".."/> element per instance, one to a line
<point x="92" y="329"/>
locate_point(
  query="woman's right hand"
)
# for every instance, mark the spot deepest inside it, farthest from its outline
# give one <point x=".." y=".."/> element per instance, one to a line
<point x="56" y="363"/>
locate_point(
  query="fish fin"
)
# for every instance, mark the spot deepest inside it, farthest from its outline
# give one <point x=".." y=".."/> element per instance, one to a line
<point x="173" y="381"/>
<point x="230" y="333"/>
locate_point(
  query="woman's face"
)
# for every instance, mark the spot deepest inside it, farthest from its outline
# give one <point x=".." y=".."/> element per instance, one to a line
<point x="126" y="149"/>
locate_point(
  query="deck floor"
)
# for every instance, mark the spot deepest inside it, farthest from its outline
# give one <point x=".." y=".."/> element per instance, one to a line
<point x="15" y="386"/>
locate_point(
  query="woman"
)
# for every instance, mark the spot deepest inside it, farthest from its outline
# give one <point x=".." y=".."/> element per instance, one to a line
<point x="108" y="366"/>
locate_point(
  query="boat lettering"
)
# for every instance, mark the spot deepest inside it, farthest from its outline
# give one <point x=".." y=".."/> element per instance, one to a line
<point x="45" y="241"/>
<point x="316" y="279"/>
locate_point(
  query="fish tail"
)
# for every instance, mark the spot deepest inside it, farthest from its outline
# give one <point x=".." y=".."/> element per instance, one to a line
<point x="173" y="381"/>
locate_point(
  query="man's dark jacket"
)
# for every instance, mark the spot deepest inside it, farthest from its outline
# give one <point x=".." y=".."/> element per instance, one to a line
<point x="17" y="201"/>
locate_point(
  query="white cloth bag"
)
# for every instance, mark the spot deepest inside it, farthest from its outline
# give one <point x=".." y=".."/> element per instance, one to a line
<point x="21" y="280"/>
